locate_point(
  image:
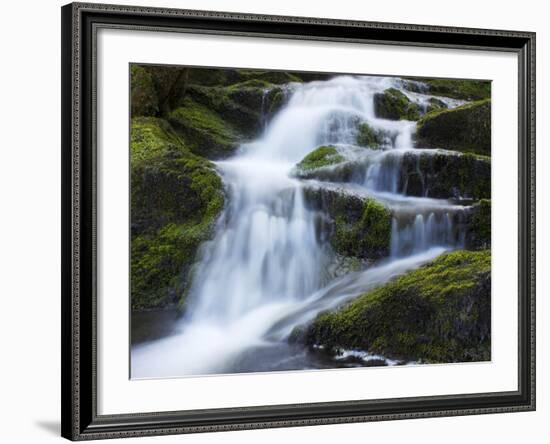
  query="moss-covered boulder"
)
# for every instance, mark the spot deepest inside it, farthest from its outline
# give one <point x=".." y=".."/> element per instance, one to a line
<point x="440" y="312"/>
<point x="466" y="128"/>
<point x="478" y="226"/>
<point x="369" y="137"/>
<point x="323" y="156"/>
<point x="143" y="95"/>
<point x="214" y="76"/>
<point x="438" y="174"/>
<point x="274" y="100"/>
<point x="435" y="104"/>
<point x="367" y="237"/>
<point x="175" y="198"/>
<point x="356" y="227"/>
<point x="458" y="89"/>
<point x="274" y="77"/>
<point x="238" y="94"/>
<point x="445" y="175"/>
<point x="207" y="133"/>
<point x="394" y="105"/>
<point x="238" y="105"/>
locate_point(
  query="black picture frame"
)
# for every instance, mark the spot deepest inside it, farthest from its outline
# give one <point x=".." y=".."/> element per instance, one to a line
<point x="80" y="420"/>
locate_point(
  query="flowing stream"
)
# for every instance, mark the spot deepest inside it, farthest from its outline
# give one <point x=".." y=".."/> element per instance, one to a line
<point x="265" y="270"/>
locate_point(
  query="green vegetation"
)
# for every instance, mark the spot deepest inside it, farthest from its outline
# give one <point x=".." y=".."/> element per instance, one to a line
<point x="367" y="237"/>
<point x="274" y="101"/>
<point x="143" y="95"/>
<point x="208" y="134"/>
<point x="437" y="313"/>
<point x="435" y="104"/>
<point x="176" y="196"/>
<point x="369" y="137"/>
<point x="478" y="234"/>
<point x="238" y="96"/>
<point x="459" y="89"/>
<point x="357" y="227"/>
<point x="273" y="77"/>
<point x="394" y="105"/>
<point x="444" y="175"/>
<point x="466" y="128"/>
<point x="322" y="156"/>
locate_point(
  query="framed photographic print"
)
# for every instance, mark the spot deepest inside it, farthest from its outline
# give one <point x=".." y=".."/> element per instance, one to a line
<point x="279" y="221"/>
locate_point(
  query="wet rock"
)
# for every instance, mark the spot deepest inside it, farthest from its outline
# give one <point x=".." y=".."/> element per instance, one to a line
<point x="437" y="313"/>
<point x="394" y="105"/>
<point x="478" y="223"/>
<point x="466" y="129"/>
<point x="356" y="227"/>
<point x="176" y="197"/>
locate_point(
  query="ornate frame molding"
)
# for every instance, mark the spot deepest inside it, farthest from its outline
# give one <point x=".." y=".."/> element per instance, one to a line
<point x="80" y="22"/>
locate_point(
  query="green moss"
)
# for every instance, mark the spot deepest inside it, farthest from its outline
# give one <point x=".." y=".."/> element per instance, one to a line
<point x="466" y="128"/>
<point x="394" y="105"/>
<point x="367" y="237"/>
<point x="355" y="226"/>
<point x="214" y="76"/>
<point x="369" y="137"/>
<point x="444" y="175"/>
<point x="274" y="101"/>
<point x="239" y="107"/>
<point x="478" y="233"/>
<point x="170" y="83"/>
<point x="161" y="262"/>
<point x="459" y="89"/>
<point x="437" y="313"/>
<point x="252" y="83"/>
<point x="435" y="105"/>
<point x="143" y="96"/>
<point x="151" y="138"/>
<point x="274" y="77"/>
<point x="207" y="133"/>
<point x="322" y="156"/>
<point x="175" y="198"/>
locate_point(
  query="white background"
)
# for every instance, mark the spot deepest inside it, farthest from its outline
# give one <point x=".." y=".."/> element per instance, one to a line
<point x="30" y="233"/>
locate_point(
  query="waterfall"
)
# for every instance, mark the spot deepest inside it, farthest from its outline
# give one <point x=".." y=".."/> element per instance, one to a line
<point x="264" y="271"/>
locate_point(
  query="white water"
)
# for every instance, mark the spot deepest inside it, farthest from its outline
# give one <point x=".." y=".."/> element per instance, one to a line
<point x="264" y="272"/>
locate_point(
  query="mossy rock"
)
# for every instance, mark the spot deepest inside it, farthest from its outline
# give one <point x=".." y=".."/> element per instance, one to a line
<point x="440" y="174"/>
<point x="435" y="104"/>
<point x="170" y="85"/>
<point x="143" y="96"/>
<point x="478" y="232"/>
<point x="392" y="104"/>
<point x="207" y="133"/>
<point x="273" y="77"/>
<point x="323" y="156"/>
<point x="368" y="137"/>
<point x="354" y="226"/>
<point x="312" y="76"/>
<point x="446" y="175"/>
<point x="367" y="237"/>
<point x="275" y="99"/>
<point x="214" y="76"/>
<point x="175" y="198"/>
<point x="459" y="89"/>
<point x="466" y="128"/>
<point x="240" y="107"/>
<point x="237" y="93"/>
<point x="438" y="313"/>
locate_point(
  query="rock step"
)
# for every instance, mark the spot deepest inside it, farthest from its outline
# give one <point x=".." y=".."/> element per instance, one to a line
<point x="415" y="172"/>
<point x="373" y="225"/>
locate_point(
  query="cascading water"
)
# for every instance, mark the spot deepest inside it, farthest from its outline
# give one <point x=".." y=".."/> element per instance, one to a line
<point x="264" y="271"/>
